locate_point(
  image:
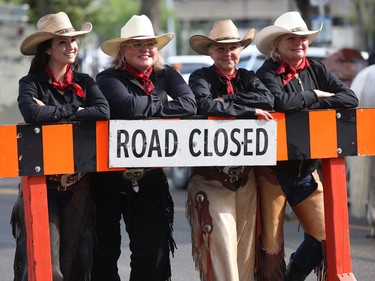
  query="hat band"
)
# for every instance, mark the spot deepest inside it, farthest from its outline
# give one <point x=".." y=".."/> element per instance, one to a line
<point x="297" y="29"/>
<point x="65" y="30"/>
<point x="141" y="36"/>
<point x="227" y="38"/>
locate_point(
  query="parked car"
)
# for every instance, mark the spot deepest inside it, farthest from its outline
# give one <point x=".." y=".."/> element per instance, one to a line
<point x="187" y="64"/>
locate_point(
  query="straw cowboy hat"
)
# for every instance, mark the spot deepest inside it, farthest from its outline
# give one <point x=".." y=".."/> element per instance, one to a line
<point x="137" y="28"/>
<point x="48" y="27"/>
<point x="288" y="23"/>
<point x="224" y="31"/>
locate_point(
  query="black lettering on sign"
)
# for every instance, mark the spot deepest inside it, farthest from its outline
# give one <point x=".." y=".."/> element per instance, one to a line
<point x="173" y="144"/>
<point x="192" y="143"/>
<point x="122" y="134"/>
<point x="206" y="152"/>
<point x="154" y="144"/>
<point x="236" y="142"/>
<point x="143" y="141"/>
<point x="260" y="132"/>
<point x="225" y="142"/>
<point x="247" y="140"/>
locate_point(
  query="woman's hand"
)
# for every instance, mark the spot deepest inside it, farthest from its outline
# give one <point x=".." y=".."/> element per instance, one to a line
<point x="323" y="94"/>
<point x="39" y="102"/>
<point x="263" y="114"/>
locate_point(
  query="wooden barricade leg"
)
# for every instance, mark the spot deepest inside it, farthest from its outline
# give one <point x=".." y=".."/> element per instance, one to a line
<point x="336" y="220"/>
<point x="37" y="228"/>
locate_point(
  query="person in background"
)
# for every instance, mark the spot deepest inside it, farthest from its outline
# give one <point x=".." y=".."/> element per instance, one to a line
<point x="360" y="169"/>
<point x="138" y="86"/>
<point x="53" y="91"/>
<point x="221" y="201"/>
<point x="345" y="63"/>
<point x="297" y="83"/>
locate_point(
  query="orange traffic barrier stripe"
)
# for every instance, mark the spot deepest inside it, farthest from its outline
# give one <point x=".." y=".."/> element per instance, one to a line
<point x="35" y="150"/>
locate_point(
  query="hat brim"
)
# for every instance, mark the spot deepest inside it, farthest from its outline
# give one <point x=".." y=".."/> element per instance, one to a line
<point x="200" y="43"/>
<point x="111" y="47"/>
<point x="31" y="42"/>
<point x="268" y="34"/>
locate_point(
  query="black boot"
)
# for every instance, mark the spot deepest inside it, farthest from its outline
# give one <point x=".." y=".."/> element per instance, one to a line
<point x="294" y="273"/>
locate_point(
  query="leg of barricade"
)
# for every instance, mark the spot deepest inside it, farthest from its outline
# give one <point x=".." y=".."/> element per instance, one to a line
<point x="336" y="220"/>
<point x="37" y="228"/>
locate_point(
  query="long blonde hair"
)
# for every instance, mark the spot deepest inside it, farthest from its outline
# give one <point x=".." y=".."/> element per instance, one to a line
<point x="274" y="52"/>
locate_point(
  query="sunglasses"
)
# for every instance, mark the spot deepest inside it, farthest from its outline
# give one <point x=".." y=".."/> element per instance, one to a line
<point x="139" y="45"/>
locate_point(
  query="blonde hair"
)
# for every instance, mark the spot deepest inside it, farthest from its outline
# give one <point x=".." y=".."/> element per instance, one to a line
<point x="274" y="51"/>
<point x="119" y="62"/>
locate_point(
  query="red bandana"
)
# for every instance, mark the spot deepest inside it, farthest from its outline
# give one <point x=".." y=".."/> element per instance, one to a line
<point x="289" y="71"/>
<point x="228" y="80"/>
<point x="68" y="81"/>
<point x="143" y="78"/>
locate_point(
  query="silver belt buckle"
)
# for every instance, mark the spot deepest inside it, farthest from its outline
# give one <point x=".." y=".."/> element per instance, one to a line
<point x="233" y="173"/>
<point x="133" y="174"/>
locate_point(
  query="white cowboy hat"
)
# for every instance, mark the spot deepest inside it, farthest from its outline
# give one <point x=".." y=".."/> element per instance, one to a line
<point x="48" y="27"/>
<point x="224" y="31"/>
<point x="290" y="22"/>
<point x="137" y="28"/>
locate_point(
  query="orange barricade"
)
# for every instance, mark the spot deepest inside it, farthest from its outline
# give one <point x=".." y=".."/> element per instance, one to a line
<point x="30" y="151"/>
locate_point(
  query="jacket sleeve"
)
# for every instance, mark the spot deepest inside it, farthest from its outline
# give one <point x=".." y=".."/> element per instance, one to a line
<point x="344" y="97"/>
<point x="183" y="101"/>
<point x="284" y="101"/>
<point x="250" y="95"/>
<point x="317" y="77"/>
<point x="128" y="101"/>
<point x="95" y="106"/>
<point x="34" y="113"/>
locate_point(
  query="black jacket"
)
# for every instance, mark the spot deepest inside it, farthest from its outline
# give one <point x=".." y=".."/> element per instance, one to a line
<point x="294" y="97"/>
<point x="127" y="100"/>
<point x="57" y="106"/>
<point x="249" y="93"/>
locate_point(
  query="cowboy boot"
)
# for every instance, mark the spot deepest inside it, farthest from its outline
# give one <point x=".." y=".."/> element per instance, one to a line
<point x="294" y="273"/>
<point x="54" y="226"/>
<point x="310" y="213"/>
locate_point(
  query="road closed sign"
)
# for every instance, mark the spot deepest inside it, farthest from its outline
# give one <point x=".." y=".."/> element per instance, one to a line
<point x="191" y="142"/>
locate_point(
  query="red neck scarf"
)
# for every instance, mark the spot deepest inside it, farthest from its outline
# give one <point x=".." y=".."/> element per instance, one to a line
<point x="228" y="80"/>
<point x="68" y="81"/>
<point x="289" y="71"/>
<point x="143" y="78"/>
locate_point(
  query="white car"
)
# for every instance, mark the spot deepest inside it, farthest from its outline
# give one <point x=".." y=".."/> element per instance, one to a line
<point x="187" y="64"/>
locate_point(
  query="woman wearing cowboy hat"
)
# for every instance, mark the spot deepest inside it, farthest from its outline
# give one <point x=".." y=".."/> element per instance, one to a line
<point x="54" y="91"/>
<point x="222" y="200"/>
<point x="138" y="86"/>
<point x="297" y="84"/>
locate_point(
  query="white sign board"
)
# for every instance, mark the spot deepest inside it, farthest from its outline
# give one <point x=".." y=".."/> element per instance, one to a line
<point x="178" y="143"/>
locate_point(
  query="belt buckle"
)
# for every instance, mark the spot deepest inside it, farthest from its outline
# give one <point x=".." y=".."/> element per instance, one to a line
<point x="68" y="180"/>
<point x="234" y="173"/>
<point x="133" y="174"/>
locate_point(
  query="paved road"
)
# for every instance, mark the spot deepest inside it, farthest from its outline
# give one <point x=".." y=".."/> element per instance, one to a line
<point x="362" y="248"/>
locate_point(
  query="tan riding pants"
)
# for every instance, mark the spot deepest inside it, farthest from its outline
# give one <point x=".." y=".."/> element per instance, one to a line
<point x="228" y="252"/>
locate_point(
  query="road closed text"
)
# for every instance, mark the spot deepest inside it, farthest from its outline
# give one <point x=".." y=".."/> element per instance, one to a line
<point x="168" y="143"/>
